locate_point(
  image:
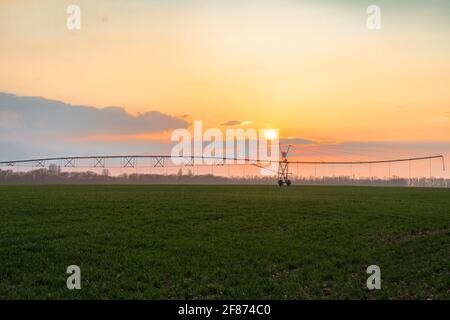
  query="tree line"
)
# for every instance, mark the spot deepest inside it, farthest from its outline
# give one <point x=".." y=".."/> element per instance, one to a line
<point x="54" y="175"/>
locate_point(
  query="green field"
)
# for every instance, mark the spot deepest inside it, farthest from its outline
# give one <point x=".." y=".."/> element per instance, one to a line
<point x="224" y="242"/>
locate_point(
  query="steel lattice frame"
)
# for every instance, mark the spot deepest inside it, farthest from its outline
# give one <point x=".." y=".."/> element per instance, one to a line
<point x="131" y="161"/>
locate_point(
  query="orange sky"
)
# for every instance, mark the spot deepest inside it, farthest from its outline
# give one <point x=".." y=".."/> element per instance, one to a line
<point x="310" y="68"/>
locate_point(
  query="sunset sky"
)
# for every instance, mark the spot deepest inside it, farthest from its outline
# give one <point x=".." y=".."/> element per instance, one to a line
<point x="312" y="69"/>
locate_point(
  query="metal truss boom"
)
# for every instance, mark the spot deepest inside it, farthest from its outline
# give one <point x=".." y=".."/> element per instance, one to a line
<point x="160" y="160"/>
<point x="131" y="161"/>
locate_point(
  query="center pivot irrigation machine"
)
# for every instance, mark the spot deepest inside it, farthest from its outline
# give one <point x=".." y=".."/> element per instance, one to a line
<point x="279" y="168"/>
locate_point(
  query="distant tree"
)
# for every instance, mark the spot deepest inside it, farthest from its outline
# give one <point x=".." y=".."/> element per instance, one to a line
<point x="54" y="175"/>
<point x="54" y="169"/>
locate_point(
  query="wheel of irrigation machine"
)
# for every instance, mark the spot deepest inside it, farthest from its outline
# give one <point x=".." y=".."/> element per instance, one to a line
<point x="280" y="182"/>
<point x="288" y="183"/>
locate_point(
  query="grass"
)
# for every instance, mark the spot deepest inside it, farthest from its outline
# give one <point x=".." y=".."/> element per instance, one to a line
<point x="224" y="242"/>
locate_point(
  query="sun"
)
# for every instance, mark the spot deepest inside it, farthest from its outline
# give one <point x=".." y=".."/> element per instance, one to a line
<point x="270" y="134"/>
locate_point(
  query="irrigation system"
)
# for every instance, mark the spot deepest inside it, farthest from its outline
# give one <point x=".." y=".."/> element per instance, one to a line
<point x="282" y="165"/>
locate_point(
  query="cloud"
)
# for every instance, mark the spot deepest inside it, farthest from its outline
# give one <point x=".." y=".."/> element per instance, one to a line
<point x="235" y="123"/>
<point x="42" y="116"/>
<point x="8" y="119"/>
<point x="291" y="140"/>
<point x="38" y="127"/>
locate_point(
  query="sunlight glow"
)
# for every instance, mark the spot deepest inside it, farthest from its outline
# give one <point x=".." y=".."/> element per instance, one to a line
<point x="270" y="134"/>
